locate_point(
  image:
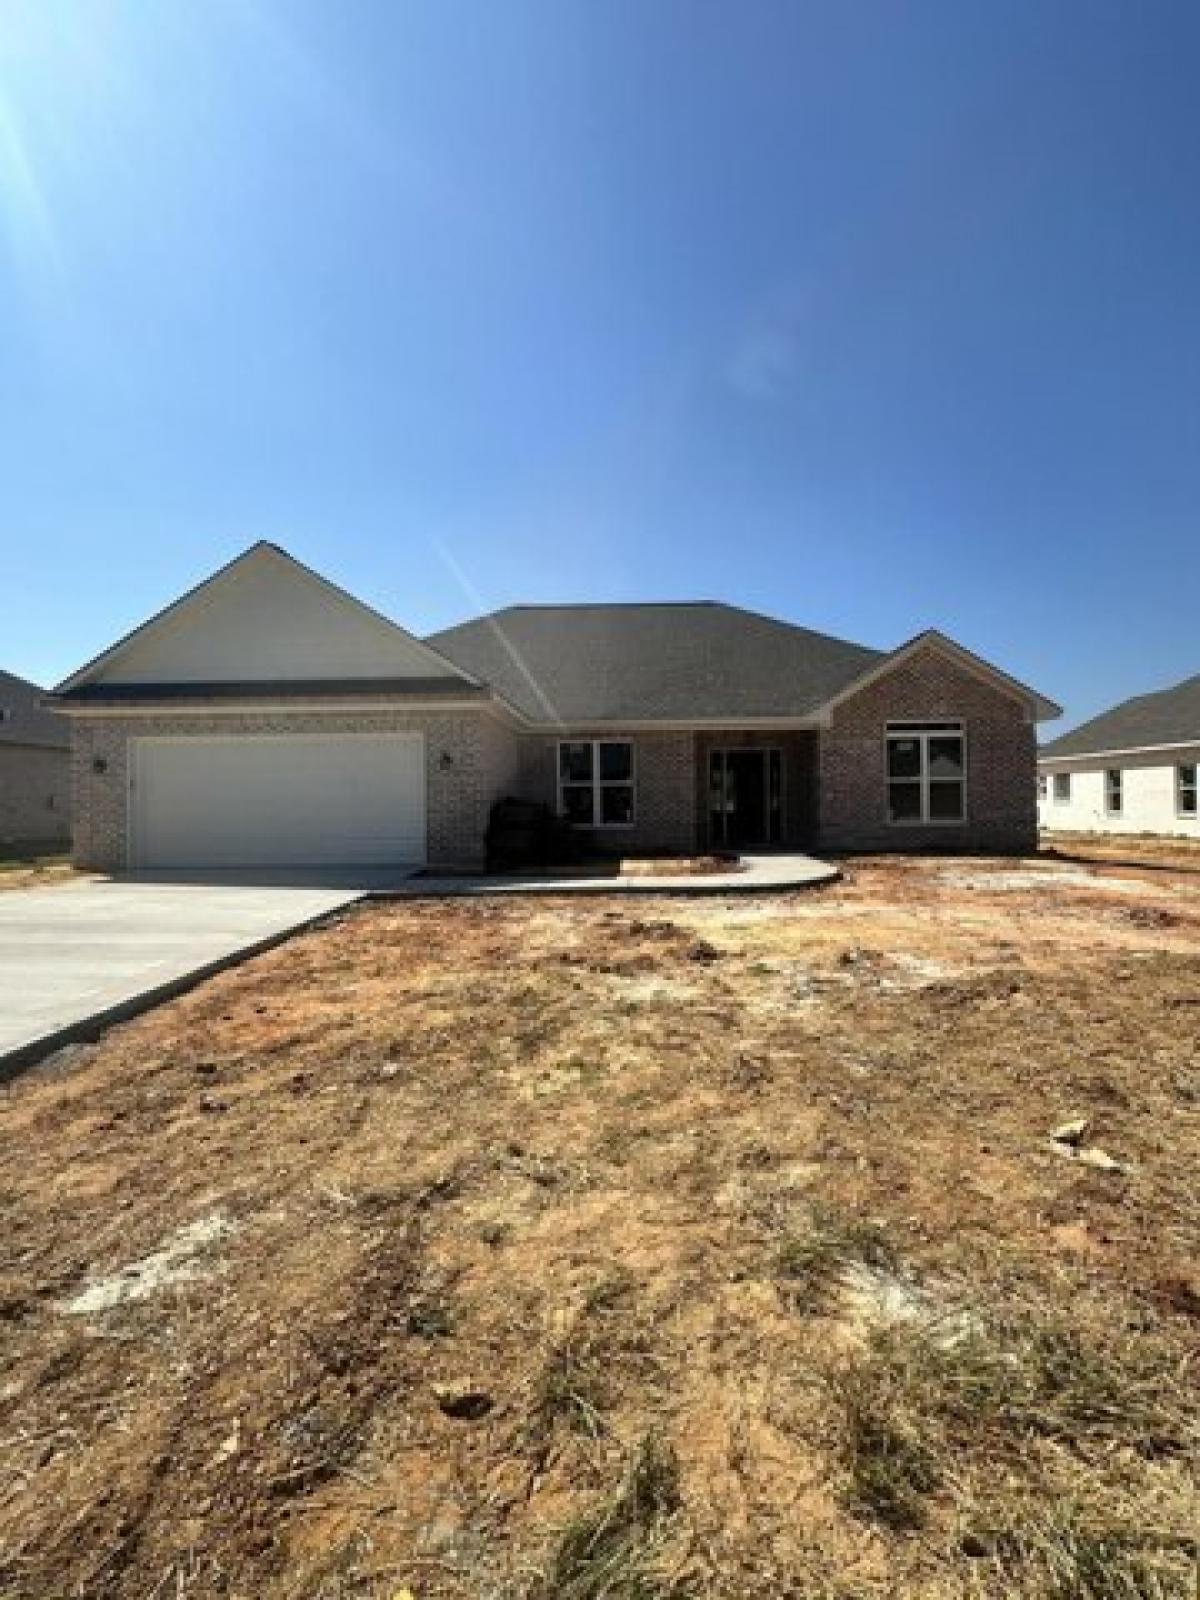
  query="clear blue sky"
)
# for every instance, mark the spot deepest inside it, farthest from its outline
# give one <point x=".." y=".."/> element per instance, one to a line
<point x="874" y="316"/>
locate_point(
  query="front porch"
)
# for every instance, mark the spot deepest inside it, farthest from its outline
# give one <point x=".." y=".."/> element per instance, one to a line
<point x="679" y="790"/>
<point x="756" y="789"/>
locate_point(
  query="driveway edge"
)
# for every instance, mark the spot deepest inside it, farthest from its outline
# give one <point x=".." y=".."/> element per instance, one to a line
<point x="88" y="1029"/>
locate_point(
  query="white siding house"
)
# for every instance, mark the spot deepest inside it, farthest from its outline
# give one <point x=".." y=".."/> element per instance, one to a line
<point x="1134" y="769"/>
<point x="1146" y="791"/>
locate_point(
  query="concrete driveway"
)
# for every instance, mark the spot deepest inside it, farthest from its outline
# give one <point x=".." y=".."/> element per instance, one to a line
<point x="76" y="957"/>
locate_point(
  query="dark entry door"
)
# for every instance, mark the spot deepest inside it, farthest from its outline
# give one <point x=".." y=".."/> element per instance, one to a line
<point x="746" y="799"/>
<point x="746" y="778"/>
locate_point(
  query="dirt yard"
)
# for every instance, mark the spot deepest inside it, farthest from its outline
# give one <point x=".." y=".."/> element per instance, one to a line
<point x="33" y="872"/>
<point x="566" y="1249"/>
<point x="1144" y="849"/>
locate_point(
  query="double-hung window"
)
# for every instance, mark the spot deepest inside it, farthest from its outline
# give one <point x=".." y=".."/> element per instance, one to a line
<point x="1114" y="791"/>
<point x="926" y="772"/>
<point x="1187" y="789"/>
<point x="595" y="782"/>
<point x="1062" y="788"/>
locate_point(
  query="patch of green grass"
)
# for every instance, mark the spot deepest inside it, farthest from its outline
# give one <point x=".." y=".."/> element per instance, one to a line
<point x="1045" y="1375"/>
<point x="612" y="1552"/>
<point x="570" y="1390"/>
<point x="1063" y="1554"/>
<point x="808" y="1264"/>
<point x="892" y="1471"/>
<point x="919" y="1412"/>
<point x="889" y="1453"/>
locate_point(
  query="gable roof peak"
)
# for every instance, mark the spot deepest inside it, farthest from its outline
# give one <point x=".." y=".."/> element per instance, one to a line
<point x="359" y="641"/>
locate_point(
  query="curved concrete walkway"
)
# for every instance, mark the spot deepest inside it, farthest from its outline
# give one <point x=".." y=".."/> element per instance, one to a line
<point x="756" y="875"/>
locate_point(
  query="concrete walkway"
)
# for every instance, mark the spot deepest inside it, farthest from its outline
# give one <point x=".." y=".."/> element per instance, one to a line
<point x="79" y="956"/>
<point x="756" y="875"/>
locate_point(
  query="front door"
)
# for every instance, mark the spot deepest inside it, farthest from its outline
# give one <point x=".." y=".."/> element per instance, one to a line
<point x="746" y="793"/>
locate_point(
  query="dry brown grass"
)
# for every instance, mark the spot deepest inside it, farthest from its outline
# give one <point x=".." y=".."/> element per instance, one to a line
<point x="736" y="1222"/>
<point x="1148" y="849"/>
<point x="35" y="871"/>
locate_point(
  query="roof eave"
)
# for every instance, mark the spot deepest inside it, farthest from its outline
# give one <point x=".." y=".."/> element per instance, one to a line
<point x="729" y="722"/>
<point x="1103" y="752"/>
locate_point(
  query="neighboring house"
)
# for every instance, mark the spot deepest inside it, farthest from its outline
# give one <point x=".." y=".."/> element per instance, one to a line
<point x="35" y="767"/>
<point x="268" y="717"/>
<point x="1134" y="769"/>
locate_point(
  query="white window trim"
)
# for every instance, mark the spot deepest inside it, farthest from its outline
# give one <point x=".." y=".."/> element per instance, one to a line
<point x="599" y="784"/>
<point x="947" y="729"/>
<point x="1111" y="810"/>
<point x="1194" y="814"/>
<point x="1061" y="799"/>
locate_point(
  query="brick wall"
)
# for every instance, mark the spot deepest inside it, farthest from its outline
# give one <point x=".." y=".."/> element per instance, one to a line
<point x="469" y="757"/>
<point x="500" y="763"/>
<point x="664" y="801"/>
<point x="35" y="801"/>
<point x="474" y="760"/>
<point x="1001" y="799"/>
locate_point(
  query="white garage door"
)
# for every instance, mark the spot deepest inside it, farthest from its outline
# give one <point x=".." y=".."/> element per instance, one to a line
<point x="324" y="799"/>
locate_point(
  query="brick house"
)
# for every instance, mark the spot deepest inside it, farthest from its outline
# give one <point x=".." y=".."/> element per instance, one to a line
<point x="269" y="718"/>
<point x="35" y="769"/>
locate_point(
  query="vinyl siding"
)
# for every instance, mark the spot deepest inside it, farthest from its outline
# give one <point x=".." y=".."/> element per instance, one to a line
<point x="1148" y="795"/>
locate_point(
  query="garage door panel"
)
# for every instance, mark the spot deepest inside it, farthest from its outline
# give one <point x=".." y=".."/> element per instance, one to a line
<point x="283" y="801"/>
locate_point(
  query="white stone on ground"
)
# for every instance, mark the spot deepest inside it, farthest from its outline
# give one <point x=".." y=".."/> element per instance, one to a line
<point x="175" y="1262"/>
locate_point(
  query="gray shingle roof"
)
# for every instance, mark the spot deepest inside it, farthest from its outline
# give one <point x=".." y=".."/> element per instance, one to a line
<point x="1172" y="716"/>
<point x="681" y="662"/>
<point x="22" y="720"/>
